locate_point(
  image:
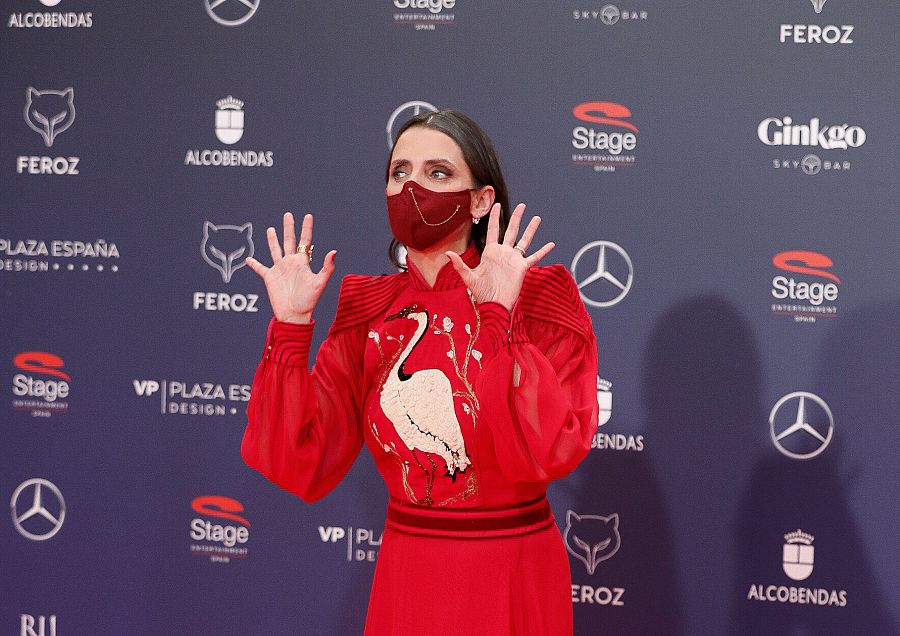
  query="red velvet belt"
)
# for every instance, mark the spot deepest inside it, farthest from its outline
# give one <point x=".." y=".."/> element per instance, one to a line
<point x="475" y="523"/>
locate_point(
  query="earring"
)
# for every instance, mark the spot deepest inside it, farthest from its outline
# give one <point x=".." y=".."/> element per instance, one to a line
<point x="476" y="220"/>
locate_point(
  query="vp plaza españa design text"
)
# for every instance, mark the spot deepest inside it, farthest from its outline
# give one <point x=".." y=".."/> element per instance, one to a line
<point x="362" y="544"/>
<point x="41" y="255"/>
<point x="198" y="398"/>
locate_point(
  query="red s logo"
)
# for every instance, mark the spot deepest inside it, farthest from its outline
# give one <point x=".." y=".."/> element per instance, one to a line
<point x="222" y="507"/>
<point x="805" y="263"/>
<point x="604" y="113"/>
<point x="41" y="362"/>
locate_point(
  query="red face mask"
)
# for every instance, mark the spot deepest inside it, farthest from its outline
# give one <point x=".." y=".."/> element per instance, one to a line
<point x="420" y="217"/>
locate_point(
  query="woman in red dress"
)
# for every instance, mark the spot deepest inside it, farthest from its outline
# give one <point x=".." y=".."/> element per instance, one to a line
<point x="471" y="377"/>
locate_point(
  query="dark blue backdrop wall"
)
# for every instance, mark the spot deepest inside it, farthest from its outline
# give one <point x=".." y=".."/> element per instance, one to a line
<point x="719" y="177"/>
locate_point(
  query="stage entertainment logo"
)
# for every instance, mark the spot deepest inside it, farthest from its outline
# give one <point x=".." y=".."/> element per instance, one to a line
<point x="607" y="440"/>
<point x="50" y="19"/>
<point x="38" y="509"/>
<point x="179" y="397"/>
<point x="219" y="540"/>
<point x="606" y="140"/>
<point x="231" y="13"/>
<point x="49" y="113"/>
<point x="30" y="625"/>
<point x="592" y="539"/>
<point x="609" y="15"/>
<point x="403" y="113"/>
<point x="815" y="33"/>
<point x="603" y="272"/>
<point x="801" y="425"/>
<point x="224" y="248"/>
<point x="362" y="543"/>
<point x="798" y="555"/>
<point x="424" y="15"/>
<point x="811" y="295"/>
<point x="784" y="131"/>
<point x="45" y="255"/>
<point x="40" y="386"/>
<point x="229" y="129"/>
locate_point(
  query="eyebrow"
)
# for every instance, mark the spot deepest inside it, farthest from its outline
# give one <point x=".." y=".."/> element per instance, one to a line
<point x="429" y="162"/>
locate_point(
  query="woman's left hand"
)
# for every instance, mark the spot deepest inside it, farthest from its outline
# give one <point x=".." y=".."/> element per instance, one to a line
<point x="498" y="277"/>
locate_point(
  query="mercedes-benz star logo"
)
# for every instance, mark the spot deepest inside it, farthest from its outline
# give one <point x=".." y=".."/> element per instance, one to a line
<point x="404" y="112"/>
<point x="804" y="432"/>
<point x="233" y="13"/>
<point x="51" y="523"/>
<point x="605" y="282"/>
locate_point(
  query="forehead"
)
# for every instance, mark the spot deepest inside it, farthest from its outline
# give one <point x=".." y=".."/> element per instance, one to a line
<point x="422" y="144"/>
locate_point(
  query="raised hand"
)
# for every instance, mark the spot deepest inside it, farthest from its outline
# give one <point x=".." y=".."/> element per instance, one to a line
<point x="499" y="275"/>
<point x="292" y="286"/>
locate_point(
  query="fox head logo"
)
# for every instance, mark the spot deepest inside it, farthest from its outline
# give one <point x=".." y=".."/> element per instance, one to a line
<point x="226" y="246"/>
<point x="49" y="112"/>
<point x="591" y="538"/>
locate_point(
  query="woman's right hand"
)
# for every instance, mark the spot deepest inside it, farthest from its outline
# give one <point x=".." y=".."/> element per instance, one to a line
<point x="292" y="286"/>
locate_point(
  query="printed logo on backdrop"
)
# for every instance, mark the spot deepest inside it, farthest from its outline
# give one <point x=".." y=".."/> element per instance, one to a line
<point x="224" y="248"/>
<point x="424" y="15"/>
<point x="30" y="625"/>
<point x="606" y="138"/>
<point x="797" y="560"/>
<point x="219" y="532"/>
<point x="603" y="272"/>
<point x="49" y="113"/>
<point x="801" y="425"/>
<point x="179" y="397"/>
<point x="361" y="543"/>
<point x="815" y="33"/>
<point x="605" y="439"/>
<point x="49" y="19"/>
<point x="610" y="14"/>
<point x="231" y="13"/>
<point x="40" y="255"/>
<point x="592" y="539"/>
<point x="228" y="125"/>
<point x="785" y="132"/>
<point x="403" y="113"/>
<point x="41" y="386"/>
<point x="38" y="509"/>
<point x="811" y="295"/>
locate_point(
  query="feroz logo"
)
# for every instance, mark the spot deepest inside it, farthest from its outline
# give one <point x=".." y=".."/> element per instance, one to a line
<point x="593" y="539"/>
<point x="224" y="248"/>
<point x="605" y="145"/>
<point x="401" y="114"/>
<point x="610" y="280"/>
<point x="221" y="542"/>
<point x="818" y="5"/>
<point x="798" y="555"/>
<point x="816" y="33"/>
<point x="229" y="128"/>
<point x="49" y="113"/>
<point x="801" y="299"/>
<point x="42" y="396"/>
<point x="231" y="12"/>
<point x="229" y="120"/>
<point x="425" y="15"/>
<point x="45" y="513"/>
<point x="801" y="425"/>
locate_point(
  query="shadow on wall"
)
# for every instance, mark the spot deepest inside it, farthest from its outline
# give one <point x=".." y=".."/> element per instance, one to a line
<point x="853" y="481"/>
<point x="701" y="391"/>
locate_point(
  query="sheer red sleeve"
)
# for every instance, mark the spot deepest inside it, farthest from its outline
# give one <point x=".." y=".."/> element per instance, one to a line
<point x="542" y="416"/>
<point x="303" y="430"/>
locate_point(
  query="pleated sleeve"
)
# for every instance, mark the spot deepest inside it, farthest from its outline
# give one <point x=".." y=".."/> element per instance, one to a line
<point x="541" y="417"/>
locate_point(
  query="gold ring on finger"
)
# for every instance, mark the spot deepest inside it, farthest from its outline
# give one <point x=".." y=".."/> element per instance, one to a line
<point x="521" y="249"/>
<point x="303" y="248"/>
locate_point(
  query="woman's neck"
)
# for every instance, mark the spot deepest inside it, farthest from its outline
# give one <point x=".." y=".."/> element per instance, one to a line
<point x="429" y="262"/>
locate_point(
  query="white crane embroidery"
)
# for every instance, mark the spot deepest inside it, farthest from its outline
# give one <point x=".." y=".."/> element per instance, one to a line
<point x="420" y="404"/>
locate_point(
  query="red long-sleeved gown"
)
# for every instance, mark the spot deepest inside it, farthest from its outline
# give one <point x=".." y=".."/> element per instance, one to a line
<point x="466" y="443"/>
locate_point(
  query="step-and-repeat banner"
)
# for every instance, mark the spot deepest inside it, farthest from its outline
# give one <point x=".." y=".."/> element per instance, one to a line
<point x="720" y="178"/>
